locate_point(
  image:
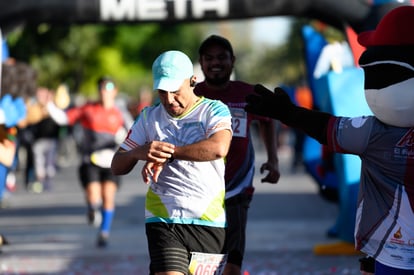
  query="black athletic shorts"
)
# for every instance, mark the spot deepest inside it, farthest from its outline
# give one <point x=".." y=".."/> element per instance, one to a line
<point x="236" y="214"/>
<point x="89" y="173"/>
<point x="170" y="245"/>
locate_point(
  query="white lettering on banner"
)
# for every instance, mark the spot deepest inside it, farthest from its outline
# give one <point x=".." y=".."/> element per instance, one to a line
<point x="180" y="9"/>
<point x="113" y="9"/>
<point x="119" y="10"/>
<point x="154" y="9"/>
<point x="201" y="6"/>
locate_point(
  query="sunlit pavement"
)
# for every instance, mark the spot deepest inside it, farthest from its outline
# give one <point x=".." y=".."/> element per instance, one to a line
<point x="49" y="234"/>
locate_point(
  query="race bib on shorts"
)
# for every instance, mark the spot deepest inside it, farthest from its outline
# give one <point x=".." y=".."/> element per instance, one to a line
<point x="207" y="263"/>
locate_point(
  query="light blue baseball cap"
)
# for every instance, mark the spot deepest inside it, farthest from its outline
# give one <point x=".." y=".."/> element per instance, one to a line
<point x="170" y="69"/>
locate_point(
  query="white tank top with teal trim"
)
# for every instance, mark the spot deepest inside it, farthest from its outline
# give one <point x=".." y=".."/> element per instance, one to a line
<point x="187" y="192"/>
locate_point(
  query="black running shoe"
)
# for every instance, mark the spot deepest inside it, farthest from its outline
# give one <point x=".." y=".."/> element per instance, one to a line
<point x="3" y="240"/>
<point x="102" y="241"/>
<point x="94" y="217"/>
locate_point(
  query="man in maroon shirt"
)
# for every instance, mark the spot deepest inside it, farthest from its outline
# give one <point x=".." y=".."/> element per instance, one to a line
<point x="216" y="58"/>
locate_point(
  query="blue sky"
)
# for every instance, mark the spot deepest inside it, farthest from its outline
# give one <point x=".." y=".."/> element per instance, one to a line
<point x="271" y="30"/>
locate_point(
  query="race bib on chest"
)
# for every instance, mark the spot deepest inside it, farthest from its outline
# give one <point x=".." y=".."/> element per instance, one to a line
<point x="239" y="122"/>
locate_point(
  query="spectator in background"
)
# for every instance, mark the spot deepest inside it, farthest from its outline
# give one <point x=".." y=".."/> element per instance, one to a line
<point x="12" y="110"/>
<point x="37" y="131"/>
<point x="26" y="138"/>
<point x="18" y="82"/>
<point x="45" y="146"/>
<point x="145" y="99"/>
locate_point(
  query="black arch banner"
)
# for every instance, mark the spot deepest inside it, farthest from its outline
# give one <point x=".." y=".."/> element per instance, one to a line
<point x="359" y="14"/>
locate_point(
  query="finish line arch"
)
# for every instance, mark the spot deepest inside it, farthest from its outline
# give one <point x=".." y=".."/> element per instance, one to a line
<point x="360" y="15"/>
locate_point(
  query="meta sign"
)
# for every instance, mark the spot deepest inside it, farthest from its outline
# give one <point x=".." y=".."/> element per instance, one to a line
<point x="162" y="10"/>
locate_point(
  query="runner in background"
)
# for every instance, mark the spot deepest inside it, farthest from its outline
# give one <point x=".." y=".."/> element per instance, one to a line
<point x="103" y="126"/>
<point x="217" y="59"/>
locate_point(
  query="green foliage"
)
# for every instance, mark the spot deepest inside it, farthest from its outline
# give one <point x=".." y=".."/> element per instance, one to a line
<point x="284" y="64"/>
<point x="78" y="55"/>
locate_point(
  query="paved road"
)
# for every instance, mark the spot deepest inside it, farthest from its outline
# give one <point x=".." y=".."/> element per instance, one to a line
<point x="49" y="234"/>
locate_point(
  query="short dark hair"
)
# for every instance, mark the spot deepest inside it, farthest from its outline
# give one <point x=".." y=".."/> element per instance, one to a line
<point x="215" y="40"/>
<point x="104" y="79"/>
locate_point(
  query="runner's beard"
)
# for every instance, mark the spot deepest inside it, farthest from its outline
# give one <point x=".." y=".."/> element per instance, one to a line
<point x="217" y="80"/>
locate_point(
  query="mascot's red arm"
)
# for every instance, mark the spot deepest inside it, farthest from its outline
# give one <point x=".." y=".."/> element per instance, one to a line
<point x="278" y="105"/>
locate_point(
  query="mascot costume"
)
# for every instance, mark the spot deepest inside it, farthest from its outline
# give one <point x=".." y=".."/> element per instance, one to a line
<point x="384" y="141"/>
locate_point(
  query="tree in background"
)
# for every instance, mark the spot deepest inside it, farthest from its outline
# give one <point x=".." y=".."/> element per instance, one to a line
<point x="284" y="64"/>
<point x="77" y="55"/>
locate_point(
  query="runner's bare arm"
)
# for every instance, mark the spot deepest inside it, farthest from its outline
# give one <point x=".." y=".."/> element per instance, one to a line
<point x="269" y="137"/>
<point x="214" y="147"/>
<point x="155" y="151"/>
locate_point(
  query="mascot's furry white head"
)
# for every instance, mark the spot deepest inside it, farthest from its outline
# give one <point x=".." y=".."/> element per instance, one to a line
<point x="388" y="64"/>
